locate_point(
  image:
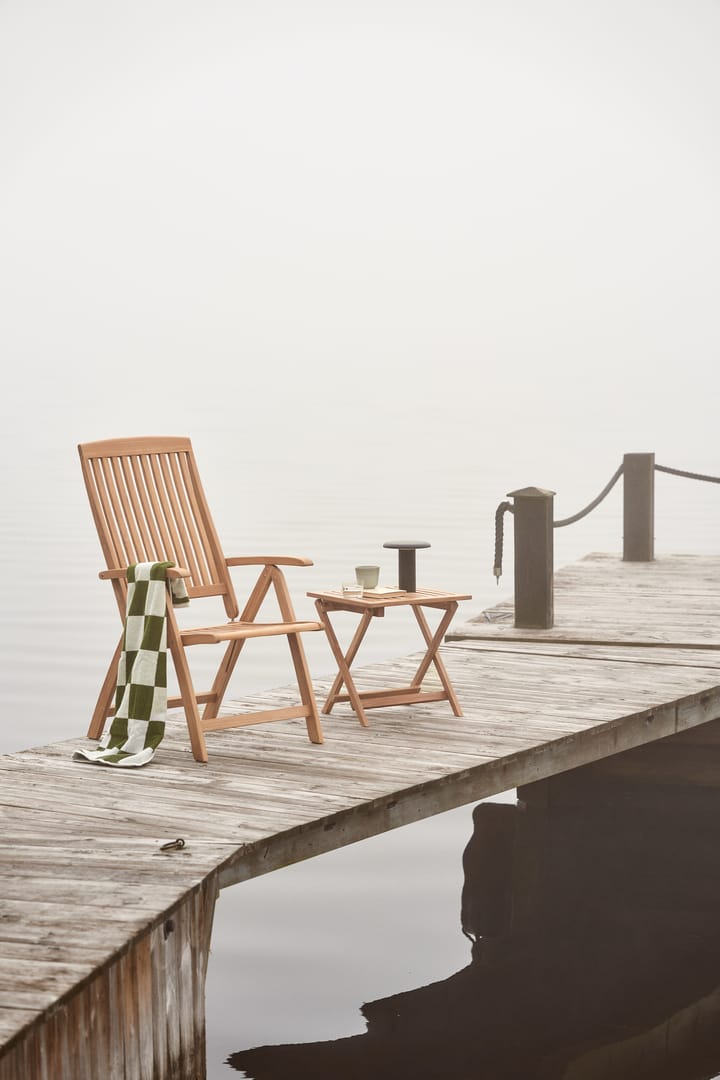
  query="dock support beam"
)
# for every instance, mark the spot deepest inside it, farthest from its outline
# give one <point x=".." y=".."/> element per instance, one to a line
<point x="639" y="508"/>
<point x="533" y="528"/>
<point x="141" y="1015"/>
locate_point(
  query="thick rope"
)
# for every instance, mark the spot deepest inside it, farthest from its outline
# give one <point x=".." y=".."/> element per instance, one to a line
<point x="506" y="506"/>
<point x="499" y="516"/>
<point x="689" y="475"/>
<point x="591" y="506"/>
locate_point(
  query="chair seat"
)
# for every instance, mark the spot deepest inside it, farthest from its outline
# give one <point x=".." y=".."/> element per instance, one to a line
<point x="209" y="635"/>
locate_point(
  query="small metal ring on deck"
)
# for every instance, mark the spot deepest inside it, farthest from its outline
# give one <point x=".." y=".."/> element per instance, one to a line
<point x="173" y="845"/>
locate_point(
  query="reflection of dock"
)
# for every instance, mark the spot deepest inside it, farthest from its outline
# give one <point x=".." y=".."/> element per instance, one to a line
<point x="593" y="908"/>
<point x="101" y="930"/>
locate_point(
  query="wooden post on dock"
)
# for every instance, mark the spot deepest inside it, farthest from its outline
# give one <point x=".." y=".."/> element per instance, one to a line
<point x="533" y="528"/>
<point x="639" y="508"/>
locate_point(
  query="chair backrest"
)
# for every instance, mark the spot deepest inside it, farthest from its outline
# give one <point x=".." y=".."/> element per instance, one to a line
<point x="149" y="506"/>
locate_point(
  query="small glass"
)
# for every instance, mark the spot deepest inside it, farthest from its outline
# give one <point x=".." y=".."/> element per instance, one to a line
<point x="351" y="589"/>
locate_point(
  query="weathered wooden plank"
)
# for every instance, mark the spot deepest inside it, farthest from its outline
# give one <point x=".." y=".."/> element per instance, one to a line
<point x="11" y="1022"/>
<point x="108" y="1027"/>
<point x="38" y="974"/>
<point x="601" y="599"/>
<point x="106" y="900"/>
<point x="23" y="950"/>
<point x="99" y="1022"/>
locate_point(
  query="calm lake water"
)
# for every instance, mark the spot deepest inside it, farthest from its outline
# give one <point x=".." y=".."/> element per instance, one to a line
<point x="592" y="947"/>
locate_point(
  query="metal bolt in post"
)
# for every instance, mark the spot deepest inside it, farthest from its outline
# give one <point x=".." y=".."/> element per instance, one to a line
<point x="638" y="507"/>
<point x="533" y="528"/>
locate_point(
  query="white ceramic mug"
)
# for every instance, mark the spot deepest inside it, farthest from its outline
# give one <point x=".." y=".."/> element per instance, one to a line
<point x="367" y="576"/>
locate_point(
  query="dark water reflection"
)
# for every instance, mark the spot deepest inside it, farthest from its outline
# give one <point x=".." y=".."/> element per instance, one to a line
<point x="593" y="914"/>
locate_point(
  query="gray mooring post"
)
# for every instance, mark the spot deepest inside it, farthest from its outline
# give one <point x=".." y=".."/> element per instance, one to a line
<point x="638" y="507"/>
<point x="533" y="529"/>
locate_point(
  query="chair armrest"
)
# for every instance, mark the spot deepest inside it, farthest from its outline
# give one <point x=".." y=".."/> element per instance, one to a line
<point x="268" y="560"/>
<point x="121" y="572"/>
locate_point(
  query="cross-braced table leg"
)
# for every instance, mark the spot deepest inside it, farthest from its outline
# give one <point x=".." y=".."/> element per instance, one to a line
<point x="343" y="662"/>
<point x="433" y="642"/>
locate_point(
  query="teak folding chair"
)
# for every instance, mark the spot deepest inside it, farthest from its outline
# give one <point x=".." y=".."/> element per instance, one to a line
<point x="149" y="506"/>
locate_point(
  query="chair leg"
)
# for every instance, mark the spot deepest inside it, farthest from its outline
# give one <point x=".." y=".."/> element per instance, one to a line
<point x="222" y="678"/>
<point x="307" y="696"/>
<point x="107" y="692"/>
<point x="302" y="674"/>
<point x="187" y="690"/>
<point x="230" y="658"/>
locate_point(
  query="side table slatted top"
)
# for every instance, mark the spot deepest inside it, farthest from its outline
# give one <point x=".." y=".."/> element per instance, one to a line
<point x="421" y="597"/>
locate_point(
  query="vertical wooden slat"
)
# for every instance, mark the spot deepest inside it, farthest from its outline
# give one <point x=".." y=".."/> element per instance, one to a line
<point x="163" y="502"/>
<point x="75" y="1039"/>
<point x="138" y="548"/>
<point x="170" y="946"/>
<point x="207" y="531"/>
<point x="118" y="517"/>
<point x="156" y="546"/>
<point x="56" y="1042"/>
<point x="108" y="536"/>
<point x="186" y="553"/>
<point x="159" y="1001"/>
<point x="7" y="1067"/>
<point x="199" y="516"/>
<point x="185" y="925"/>
<point x="207" y="897"/>
<point x="128" y="1011"/>
<point x="31" y="1056"/>
<point x="79" y="1036"/>
<point x="144" y="998"/>
<point x="136" y="534"/>
<point x="99" y="1043"/>
<point x="165" y="549"/>
<point x="67" y="1062"/>
<point x="116" y="1057"/>
<point x="142" y="527"/>
<point x="43" y="1073"/>
<point x="203" y="555"/>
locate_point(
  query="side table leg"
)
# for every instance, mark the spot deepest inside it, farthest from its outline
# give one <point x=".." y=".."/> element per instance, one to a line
<point x="344" y="662"/>
<point x="433" y="642"/>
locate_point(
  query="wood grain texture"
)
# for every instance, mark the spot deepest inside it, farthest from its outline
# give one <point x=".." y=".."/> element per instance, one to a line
<point x="671" y="601"/>
<point x="90" y="903"/>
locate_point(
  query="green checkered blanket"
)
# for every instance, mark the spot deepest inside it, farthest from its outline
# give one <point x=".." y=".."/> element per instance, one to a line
<point x="141" y="696"/>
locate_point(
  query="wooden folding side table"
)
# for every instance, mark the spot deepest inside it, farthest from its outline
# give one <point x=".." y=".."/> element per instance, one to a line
<point x="370" y="607"/>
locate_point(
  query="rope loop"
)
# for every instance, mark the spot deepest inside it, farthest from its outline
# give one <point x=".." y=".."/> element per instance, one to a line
<point x="499" y="528"/>
<point x="596" y="502"/>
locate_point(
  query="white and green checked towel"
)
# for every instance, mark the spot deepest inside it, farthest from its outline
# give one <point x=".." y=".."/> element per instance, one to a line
<point x="141" y="696"/>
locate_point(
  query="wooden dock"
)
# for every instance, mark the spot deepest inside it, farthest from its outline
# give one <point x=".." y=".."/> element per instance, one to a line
<point x="104" y="935"/>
